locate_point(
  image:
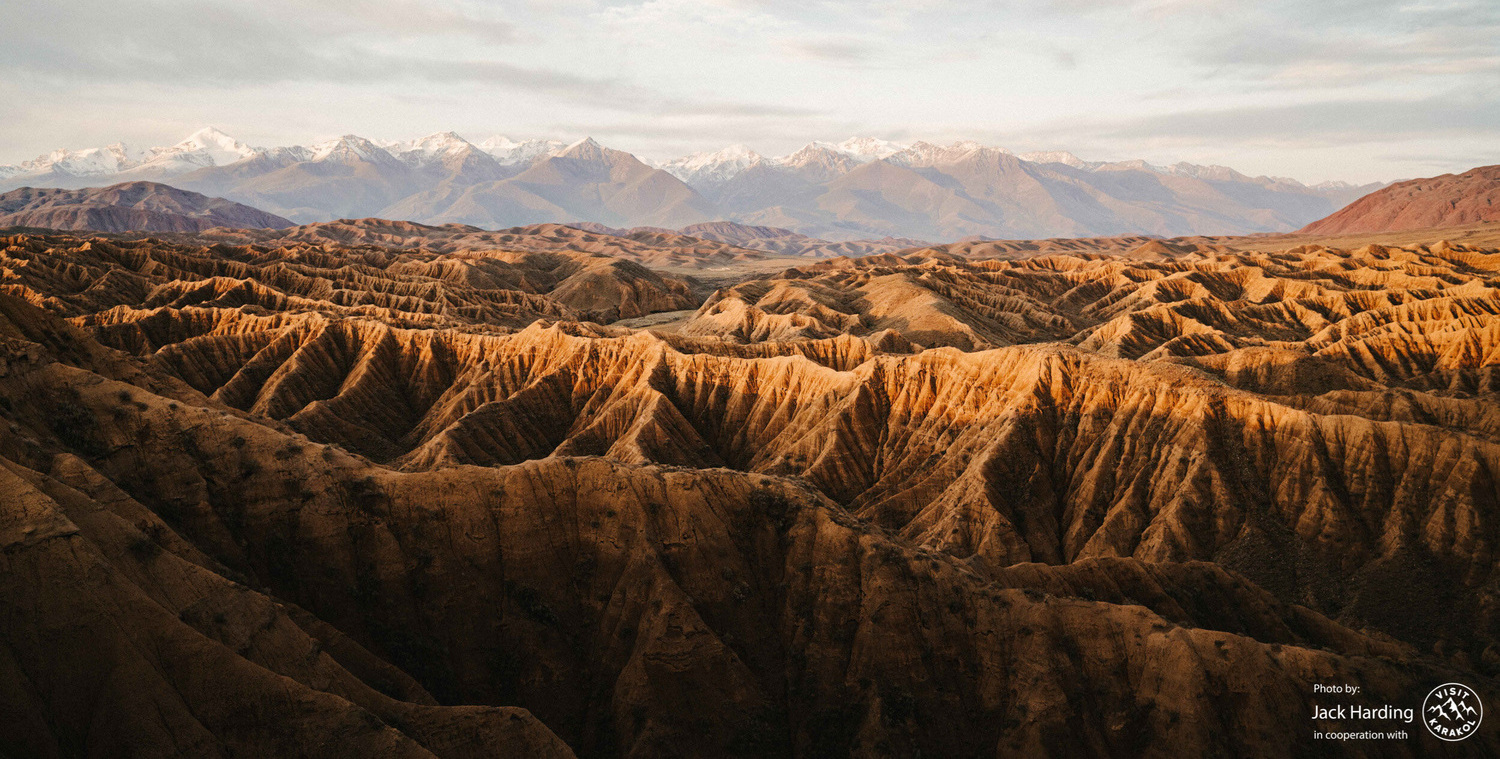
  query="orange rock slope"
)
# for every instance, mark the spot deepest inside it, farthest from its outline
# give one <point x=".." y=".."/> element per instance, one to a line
<point x="327" y="501"/>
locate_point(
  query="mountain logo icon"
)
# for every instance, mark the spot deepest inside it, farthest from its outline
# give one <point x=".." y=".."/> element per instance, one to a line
<point x="1452" y="711"/>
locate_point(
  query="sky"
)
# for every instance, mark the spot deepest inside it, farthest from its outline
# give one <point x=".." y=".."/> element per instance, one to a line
<point x="1354" y="90"/>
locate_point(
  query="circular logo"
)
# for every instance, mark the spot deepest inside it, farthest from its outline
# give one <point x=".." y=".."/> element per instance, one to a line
<point x="1452" y="711"/>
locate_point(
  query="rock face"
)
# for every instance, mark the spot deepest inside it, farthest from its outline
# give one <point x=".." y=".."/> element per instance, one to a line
<point x="1449" y="200"/>
<point x="128" y="207"/>
<point x="1134" y="506"/>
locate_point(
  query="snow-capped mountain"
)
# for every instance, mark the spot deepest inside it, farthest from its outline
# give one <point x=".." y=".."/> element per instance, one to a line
<point x="586" y="149"/>
<point x="510" y="152"/>
<point x="449" y="158"/>
<point x="818" y="162"/>
<point x="716" y="167"/>
<point x="1134" y="164"/>
<point x="205" y="147"/>
<point x="425" y="151"/>
<point x="862" y="187"/>
<point x="89" y="162"/>
<point x="349" y="149"/>
<point x="1059" y="156"/>
<point x="864" y="149"/>
<point x="929" y="154"/>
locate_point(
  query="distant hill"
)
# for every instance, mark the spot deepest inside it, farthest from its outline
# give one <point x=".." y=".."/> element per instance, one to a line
<point x="773" y="240"/>
<point x="658" y="248"/>
<point x="1449" y="200"/>
<point x="128" y="207"/>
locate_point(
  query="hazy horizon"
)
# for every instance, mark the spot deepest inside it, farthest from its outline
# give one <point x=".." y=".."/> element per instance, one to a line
<point x="1359" y="90"/>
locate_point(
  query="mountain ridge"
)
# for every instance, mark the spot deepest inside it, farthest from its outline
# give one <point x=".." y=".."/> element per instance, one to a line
<point x="1448" y="200"/>
<point x="129" y="207"/>
<point x="945" y="192"/>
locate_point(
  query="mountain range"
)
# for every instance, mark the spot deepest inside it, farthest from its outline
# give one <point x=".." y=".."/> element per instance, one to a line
<point x="861" y="188"/>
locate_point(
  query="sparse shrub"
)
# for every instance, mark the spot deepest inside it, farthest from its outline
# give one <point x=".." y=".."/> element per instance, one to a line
<point x="774" y="508"/>
<point x="530" y="602"/>
<point x="144" y="548"/>
<point x="366" y="495"/>
<point x="897" y="706"/>
<point x="832" y="731"/>
<point x="76" y="429"/>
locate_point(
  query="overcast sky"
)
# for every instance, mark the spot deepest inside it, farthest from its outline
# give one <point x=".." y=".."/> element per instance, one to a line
<point x="1312" y="89"/>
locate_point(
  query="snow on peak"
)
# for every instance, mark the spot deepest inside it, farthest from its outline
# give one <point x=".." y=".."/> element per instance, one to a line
<point x="510" y="152"/>
<point x="586" y="149"/>
<point x="586" y="143"/>
<point x="204" y="148"/>
<point x="930" y="154"/>
<point x="500" y="142"/>
<point x="868" y="148"/>
<point x="737" y="152"/>
<point x="220" y="148"/>
<point x="814" y="152"/>
<point x="426" y="150"/>
<point x="861" y="149"/>
<point x="348" y="147"/>
<point x="88" y="162"/>
<point x="440" y="143"/>
<point x="715" y="167"/>
<point x="1214" y="173"/>
<point x="1056" y="156"/>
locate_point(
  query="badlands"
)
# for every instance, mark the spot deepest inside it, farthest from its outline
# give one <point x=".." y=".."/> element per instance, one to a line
<point x="295" y="494"/>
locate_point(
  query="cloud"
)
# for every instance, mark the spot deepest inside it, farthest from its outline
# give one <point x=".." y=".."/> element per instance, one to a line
<point x="224" y="46"/>
<point x="1352" y="42"/>
<point x="1317" y="124"/>
<point x="843" y="51"/>
<point x="1215" y="77"/>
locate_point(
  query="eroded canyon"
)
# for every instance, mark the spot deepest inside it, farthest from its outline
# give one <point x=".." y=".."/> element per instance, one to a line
<point x="305" y="497"/>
